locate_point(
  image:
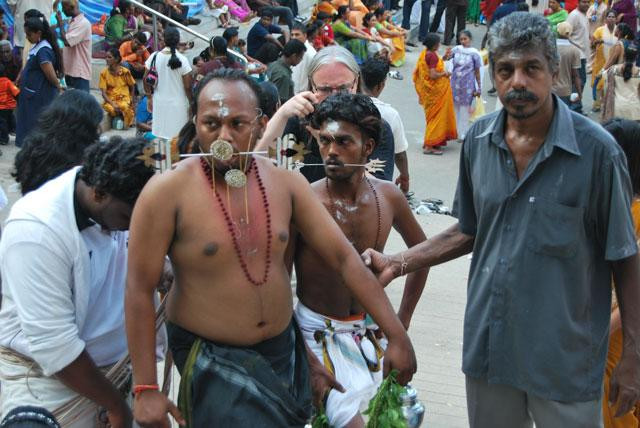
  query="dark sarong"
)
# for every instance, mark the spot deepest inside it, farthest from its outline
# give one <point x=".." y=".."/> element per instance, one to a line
<point x="264" y="385"/>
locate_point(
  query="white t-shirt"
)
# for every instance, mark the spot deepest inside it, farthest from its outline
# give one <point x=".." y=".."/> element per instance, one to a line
<point x="392" y="117"/>
<point x="580" y="34"/>
<point x="300" y="73"/>
<point x="170" y="102"/>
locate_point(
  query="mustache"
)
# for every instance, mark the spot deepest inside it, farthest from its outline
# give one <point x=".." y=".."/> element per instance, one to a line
<point x="520" y="95"/>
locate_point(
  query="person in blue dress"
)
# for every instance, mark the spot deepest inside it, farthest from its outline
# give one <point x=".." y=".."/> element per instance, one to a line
<point x="39" y="83"/>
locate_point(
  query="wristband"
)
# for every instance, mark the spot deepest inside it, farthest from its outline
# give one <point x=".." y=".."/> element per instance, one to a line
<point x="141" y="388"/>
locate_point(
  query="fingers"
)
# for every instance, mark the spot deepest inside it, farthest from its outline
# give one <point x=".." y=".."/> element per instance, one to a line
<point x="177" y="415"/>
<point x="366" y="257"/>
<point x="333" y="383"/>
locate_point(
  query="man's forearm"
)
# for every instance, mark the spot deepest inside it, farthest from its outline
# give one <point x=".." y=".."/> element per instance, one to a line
<point x="445" y="246"/>
<point x="402" y="163"/>
<point x="626" y="275"/>
<point x="140" y="318"/>
<point x="275" y="128"/>
<point x="412" y="291"/>
<point x="85" y="378"/>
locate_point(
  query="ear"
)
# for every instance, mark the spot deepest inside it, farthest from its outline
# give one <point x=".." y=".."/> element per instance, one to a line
<point x="98" y="196"/>
<point x="368" y="146"/>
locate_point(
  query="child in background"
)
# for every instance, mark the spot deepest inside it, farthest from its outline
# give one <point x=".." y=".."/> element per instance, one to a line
<point x="8" y="94"/>
<point x="220" y="11"/>
<point x="325" y="33"/>
<point x="144" y="119"/>
<point x="242" y="45"/>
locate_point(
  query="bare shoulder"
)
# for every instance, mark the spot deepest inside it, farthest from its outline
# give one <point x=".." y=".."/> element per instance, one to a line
<point x="291" y="180"/>
<point x="386" y="189"/>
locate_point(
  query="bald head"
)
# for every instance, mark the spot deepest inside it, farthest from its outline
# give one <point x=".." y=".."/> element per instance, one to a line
<point x="70" y="7"/>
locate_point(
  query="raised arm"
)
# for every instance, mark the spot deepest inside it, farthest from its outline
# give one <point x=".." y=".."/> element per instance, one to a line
<point x="324" y="236"/>
<point x="300" y="105"/>
<point x="152" y="229"/>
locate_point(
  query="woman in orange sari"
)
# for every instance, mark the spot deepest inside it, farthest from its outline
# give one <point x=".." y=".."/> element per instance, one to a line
<point x="627" y="134"/>
<point x="435" y="96"/>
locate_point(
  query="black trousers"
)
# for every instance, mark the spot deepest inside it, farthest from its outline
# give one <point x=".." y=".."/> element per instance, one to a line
<point x="454" y="13"/>
<point x="440" y="7"/>
<point x="6" y="121"/>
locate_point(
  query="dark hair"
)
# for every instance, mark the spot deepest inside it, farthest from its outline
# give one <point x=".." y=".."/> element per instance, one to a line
<point x="36" y="21"/>
<point x="141" y="37"/>
<point x="293" y="47"/>
<point x="3" y="70"/>
<point x="300" y="27"/>
<point x="188" y="131"/>
<point x="431" y="40"/>
<point x="373" y="72"/>
<point x="115" y="168"/>
<point x="218" y="45"/>
<point x="64" y="129"/>
<point x="171" y="40"/>
<point x="466" y="33"/>
<point x="627" y="135"/>
<point x="342" y="12"/>
<point x="270" y="97"/>
<point x="266" y="12"/>
<point x="115" y="11"/>
<point x="522" y="7"/>
<point x="367" y="18"/>
<point x="625" y="31"/>
<point x="195" y="59"/>
<point x="229" y="33"/>
<point x="630" y="55"/>
<point x="115" y="52"/>
<point x="312" y="29"/>
<point x="356" y="109"/>
<point x="321" y="16"/>
<point x="379" y="11"/>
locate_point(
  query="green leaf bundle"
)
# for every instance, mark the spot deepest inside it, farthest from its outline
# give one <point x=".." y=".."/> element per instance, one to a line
<point x="320" y="419"/>
<point x="385" y="408"/>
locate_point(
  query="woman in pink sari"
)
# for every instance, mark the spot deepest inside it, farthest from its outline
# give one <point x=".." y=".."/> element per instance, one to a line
<point x="241" y="11"/>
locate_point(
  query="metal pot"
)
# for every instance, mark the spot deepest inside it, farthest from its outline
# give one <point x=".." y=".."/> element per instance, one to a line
<point x="412" y="409"/>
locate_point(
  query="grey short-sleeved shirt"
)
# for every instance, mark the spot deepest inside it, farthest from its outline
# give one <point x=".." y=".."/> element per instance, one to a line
<point x="539" y="292"/>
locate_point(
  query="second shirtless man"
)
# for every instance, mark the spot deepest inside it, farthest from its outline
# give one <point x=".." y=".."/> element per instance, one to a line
<point x="330" y="316"/>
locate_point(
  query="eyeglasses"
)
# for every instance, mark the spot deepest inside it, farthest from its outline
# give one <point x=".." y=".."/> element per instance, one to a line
<point x="334" y="89"/>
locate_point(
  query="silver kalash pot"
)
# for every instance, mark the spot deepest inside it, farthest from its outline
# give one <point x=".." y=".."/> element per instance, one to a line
<point x="412" y="409"/>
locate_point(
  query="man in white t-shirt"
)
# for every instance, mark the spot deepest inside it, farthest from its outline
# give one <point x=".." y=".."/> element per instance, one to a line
<point x="580" y="38"/>
<point x="374" y="77"/>
<point x="300" y="73"/>
<point x="63" y="257"/>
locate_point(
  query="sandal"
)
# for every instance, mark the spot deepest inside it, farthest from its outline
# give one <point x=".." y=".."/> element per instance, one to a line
<point x="395" y="74"/>
<point x="431" y="151"/>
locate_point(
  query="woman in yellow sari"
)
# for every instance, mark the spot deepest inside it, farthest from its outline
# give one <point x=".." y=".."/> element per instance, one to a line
<point x="602" y="41"/>
<point x="116" y="85"/>
<point x="627" y="134"/>
<point x="435" y="96"/>
<point x="395" y="35"/>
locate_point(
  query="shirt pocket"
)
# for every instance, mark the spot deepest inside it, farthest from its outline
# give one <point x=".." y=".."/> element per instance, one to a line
<point x="554" y="229"/>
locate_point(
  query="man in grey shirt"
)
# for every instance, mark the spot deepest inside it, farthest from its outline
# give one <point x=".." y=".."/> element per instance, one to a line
<point x="543" y="201"/>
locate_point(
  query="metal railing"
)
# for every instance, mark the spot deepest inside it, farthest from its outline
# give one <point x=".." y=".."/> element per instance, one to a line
<point x="155" y="15"/>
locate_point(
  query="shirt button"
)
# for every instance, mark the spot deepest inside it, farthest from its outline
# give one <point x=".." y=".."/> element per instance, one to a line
<point x="502" y="261"/>
<point x="509" y="162"/>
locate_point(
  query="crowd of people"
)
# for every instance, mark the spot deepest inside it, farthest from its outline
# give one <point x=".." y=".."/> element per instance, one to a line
<point x="109" y="266"/>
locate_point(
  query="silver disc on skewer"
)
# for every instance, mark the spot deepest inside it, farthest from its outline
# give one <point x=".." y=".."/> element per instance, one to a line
<point x="221" y="150"/>
<point x="235" y="178"/>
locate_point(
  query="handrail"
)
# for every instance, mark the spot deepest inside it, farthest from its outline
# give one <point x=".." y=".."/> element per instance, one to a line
<point x="155" y="14"/>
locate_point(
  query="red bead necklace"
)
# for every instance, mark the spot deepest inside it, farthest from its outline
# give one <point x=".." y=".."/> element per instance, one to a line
<point x="232" y="230"/>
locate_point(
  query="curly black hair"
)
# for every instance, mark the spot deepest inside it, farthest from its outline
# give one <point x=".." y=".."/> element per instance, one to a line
<point x="114" y="168"/>
<point x="63" y="131"/>
<point x="188" y="131"/>
<point x="356" y="109"/>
